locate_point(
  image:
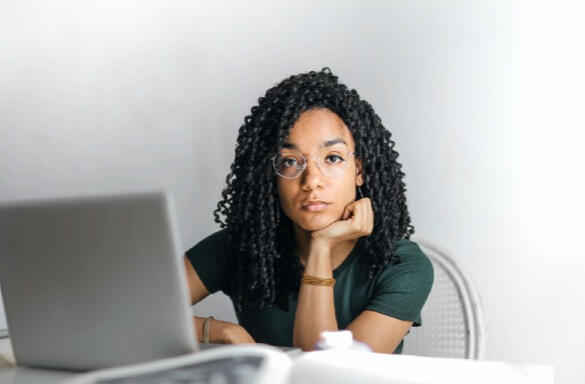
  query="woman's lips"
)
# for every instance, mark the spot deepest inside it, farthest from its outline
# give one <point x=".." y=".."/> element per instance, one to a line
<point x="315" y="207"/>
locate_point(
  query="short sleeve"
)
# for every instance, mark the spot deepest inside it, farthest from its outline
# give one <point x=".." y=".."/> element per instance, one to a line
<point x="208" y="258"/>
<point x="401" y="290"/>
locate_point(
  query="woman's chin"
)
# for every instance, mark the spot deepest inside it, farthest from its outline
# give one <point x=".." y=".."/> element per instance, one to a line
<point x="316" y="224"/>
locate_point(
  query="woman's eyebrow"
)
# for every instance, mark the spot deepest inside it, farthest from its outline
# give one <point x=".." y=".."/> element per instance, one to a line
<point x="326" y="143"/>
<point x="330" y="142"/>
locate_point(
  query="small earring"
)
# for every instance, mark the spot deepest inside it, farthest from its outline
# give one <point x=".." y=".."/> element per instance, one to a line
<point x="360" y="192"/>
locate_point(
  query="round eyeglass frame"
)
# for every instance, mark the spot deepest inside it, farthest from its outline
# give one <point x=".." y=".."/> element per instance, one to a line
<point x="304" y="165"/>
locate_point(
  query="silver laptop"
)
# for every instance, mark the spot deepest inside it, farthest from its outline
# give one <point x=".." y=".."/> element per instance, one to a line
<point x="94" y="282"/>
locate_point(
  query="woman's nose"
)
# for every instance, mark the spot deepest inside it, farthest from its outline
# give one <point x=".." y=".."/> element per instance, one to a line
<point x="312" y="176"/>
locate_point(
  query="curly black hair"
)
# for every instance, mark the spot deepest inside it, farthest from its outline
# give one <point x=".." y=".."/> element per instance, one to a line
<point x="264" y="269"/>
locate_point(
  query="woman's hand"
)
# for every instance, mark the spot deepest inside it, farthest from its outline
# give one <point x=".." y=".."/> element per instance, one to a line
<point x="356" y="221"/>
<point x="235" y="334"/>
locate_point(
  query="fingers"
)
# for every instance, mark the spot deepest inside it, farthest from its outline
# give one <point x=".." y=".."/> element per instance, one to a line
<point x="357" y="220"/>
<point x="347" y="212"/>
<point x="361" y="215"/>
<point x="368" y="212"/>
<point x="362" y="210"/>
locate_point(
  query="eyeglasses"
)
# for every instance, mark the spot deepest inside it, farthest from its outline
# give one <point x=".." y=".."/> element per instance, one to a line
<point x="291" y="164"/>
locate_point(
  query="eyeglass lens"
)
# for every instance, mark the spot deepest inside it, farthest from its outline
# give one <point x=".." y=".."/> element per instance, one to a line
<point x="291" y="164"/>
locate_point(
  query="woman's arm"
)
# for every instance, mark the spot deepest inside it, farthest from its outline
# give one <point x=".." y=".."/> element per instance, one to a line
<point x="382" y="333"/>
<point x="316" y="313"/>
<point x="316" y="308"/>
<point x="197" y="289"/>
<point x="219" y="331"/>
<point x="222" y="332"/>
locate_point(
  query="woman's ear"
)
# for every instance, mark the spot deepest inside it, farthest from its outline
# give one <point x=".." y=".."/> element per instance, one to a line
<point x="359" y="172"/>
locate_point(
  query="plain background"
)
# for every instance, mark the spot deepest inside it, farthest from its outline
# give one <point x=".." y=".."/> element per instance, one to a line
<point x="485" y="101"/>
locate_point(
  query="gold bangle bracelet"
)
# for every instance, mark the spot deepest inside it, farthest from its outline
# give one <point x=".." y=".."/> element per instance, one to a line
<point x="313" y="280"/>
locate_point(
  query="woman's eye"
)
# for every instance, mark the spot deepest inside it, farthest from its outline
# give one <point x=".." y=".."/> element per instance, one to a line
<point x="288" y="163"/>
<point x="334" y="159"/>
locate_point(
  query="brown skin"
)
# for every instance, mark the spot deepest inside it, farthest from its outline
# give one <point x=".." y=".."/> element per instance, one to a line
<point x="308" y="134"/>
<point x="220" y="332"/>
<point x="324" y="240"/>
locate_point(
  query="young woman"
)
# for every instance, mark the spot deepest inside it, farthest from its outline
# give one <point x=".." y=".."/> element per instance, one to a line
<point x="316" y="226"/>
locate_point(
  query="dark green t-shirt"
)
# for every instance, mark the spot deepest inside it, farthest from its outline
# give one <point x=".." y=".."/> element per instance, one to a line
<point x="399" y="290"/>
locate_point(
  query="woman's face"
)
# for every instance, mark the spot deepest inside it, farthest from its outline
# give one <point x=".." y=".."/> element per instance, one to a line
<point x="324" y="135"/>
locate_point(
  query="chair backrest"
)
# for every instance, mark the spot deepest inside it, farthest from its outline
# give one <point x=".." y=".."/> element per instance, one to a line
<point x="452" y="319"/>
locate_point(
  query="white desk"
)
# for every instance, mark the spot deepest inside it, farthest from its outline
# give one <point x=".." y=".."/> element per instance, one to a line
<point x="329" y="367"/>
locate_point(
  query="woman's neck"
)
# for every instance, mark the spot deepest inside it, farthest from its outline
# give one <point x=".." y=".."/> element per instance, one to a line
<point x="338" y="253"/>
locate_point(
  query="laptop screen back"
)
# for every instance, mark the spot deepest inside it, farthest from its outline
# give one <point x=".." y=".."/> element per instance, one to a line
<point x="93" y="282"/>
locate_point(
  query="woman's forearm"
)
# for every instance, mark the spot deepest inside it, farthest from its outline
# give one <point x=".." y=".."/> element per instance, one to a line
<point x="216" y="328"/>
<point x="316" y="306"/>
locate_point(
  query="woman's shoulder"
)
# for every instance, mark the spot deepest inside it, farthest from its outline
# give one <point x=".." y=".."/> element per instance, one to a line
<point x="219" y="236"/>
<point x="410" y="252"/>
<point x="215" y="247"/>
<point x="400" y="290"/>
<point x="209" y="259"/>
<point x="216" y="239"/>
<point x="414" y="264"/>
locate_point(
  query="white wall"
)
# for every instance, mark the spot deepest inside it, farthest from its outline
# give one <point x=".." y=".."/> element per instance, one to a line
<point x="485" y="101"/>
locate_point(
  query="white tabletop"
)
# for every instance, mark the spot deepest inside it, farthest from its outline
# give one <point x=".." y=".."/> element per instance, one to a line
<point x="343" y="367"/>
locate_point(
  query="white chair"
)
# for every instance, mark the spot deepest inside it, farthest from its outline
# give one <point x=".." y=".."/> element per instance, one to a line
<point x="452" y="319"/>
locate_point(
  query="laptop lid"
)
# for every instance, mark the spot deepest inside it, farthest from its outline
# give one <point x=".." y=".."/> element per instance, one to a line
<point x="94" y="282"/>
